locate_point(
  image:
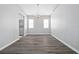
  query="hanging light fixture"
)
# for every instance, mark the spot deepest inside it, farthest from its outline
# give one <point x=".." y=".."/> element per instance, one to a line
<point x="38" y="11"/>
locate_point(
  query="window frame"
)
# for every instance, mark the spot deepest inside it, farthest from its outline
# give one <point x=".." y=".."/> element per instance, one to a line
<point x="31" y="23"/>
<point x="46" y="23"/>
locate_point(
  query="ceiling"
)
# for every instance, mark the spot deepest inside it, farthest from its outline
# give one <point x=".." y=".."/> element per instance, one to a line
<point x="37" y="9"/>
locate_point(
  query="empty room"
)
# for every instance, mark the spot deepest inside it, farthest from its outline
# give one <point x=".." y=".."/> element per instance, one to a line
<point x="39" y="28"/>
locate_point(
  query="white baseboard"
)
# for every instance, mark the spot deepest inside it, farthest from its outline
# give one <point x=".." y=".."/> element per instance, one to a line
<point x="66" y="44"/>
<point x="10" y="43"/>
<point x="38" y="33"/>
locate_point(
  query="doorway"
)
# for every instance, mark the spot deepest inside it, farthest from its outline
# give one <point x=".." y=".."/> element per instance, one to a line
<point x="21" y="26"/>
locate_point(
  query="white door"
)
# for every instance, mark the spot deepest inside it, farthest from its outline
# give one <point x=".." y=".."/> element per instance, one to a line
<point x="38" y="25"/>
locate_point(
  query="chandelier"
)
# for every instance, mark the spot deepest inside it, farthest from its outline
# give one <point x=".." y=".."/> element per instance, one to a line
<point x="37" y="13"/>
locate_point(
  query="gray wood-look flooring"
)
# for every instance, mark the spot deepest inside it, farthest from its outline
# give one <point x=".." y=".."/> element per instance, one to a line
<point x="37" y="44"/>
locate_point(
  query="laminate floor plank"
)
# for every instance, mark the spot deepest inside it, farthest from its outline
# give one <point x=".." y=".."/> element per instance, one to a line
<point x="37" y="44"/>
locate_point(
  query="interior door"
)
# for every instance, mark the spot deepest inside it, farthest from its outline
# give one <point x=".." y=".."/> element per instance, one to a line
<point x="38" y="25"/>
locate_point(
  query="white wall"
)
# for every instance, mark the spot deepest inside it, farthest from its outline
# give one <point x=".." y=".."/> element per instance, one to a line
<point x="9" y="24"/>
<point x="65" y="25"/>
<point x="25" y="26"/>
<point x="38" y="25"/>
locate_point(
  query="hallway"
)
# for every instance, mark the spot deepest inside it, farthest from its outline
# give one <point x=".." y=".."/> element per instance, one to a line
<point x="37" y="44"/>
<point x="31" y="23"/>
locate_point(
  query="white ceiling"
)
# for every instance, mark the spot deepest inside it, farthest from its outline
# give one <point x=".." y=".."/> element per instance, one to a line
<point x="42" y="9"/>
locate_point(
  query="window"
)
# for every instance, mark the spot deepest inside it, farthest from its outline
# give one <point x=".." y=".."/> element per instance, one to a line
<point x="46" y="23"/>
<point x="31" y="23"/>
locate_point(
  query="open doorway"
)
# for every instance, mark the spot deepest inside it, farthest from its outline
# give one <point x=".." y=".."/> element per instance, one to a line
<point x="21" y="26"/>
